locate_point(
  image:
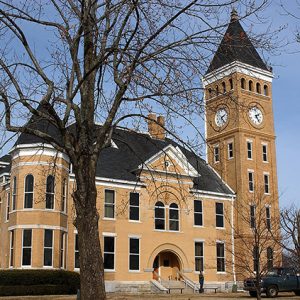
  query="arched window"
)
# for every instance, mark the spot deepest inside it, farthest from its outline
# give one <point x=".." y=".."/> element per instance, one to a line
<point x="258" y="88"/>
<point x="217" y="90"/>
<point x="159" y="216"/>
<point x="209" y="93"/>
<point x="266" y="91"/>
<point x="28" y="199"/>
<point x="50" y="192"/>
<point x="269" y="258"/>
<point x="173" y="217"/>
<point x="243" y="83"/>
<point x="14" y="193"/>
<point x="250" y="85"/>
<point x="231" y="84"/>
<point x="224" y="87"/>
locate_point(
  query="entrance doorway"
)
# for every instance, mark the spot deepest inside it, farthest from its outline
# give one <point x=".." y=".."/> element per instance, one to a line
<point x="166" y="266"/>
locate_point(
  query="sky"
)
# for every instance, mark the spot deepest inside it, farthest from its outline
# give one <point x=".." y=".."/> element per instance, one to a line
<point x="286" y="100"/>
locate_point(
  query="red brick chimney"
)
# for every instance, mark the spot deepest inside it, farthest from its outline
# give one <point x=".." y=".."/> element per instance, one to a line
<point x="156" y="127"/>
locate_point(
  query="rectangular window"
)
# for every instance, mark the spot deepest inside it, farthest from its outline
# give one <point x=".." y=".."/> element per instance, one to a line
<point x="48" y="247"/>
<point x="216" y="154"/>
<point x="64" y="196"/>
<point x="134" y="254"/>
<point x="14" y="194"/>
<point x="134" y="206"/>
<point x="198" y="213"/>
<point x="7" y="206"/>
<point x="268" y="217"/>
<point x="249" y="150"/>
<point x="220" y="257"/>
<point x="230" y="150"/>
<point x="62" y="256"/>
<point x="12" y="240"/>
<point x="251" y="181"/>
<point x="77" y="262"/>
<point x="109" y="253"/>
<point x="109" y="204"/>
<point x="199" y="256"/>
<point x="265" y="153"/>
<point x="266" y="183"/>
<point x="252" y="216"/>
<point x="26" y="247"/>
<point x="219" y="215"/>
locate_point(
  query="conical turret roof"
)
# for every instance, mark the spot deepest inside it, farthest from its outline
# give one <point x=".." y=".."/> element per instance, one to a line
<point x="236" y="46"/>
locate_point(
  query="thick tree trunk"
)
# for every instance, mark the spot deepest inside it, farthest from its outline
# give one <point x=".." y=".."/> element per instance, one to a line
<point x="91" y="262"/>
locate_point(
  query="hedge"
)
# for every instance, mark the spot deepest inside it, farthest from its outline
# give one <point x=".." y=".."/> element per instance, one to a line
<point x="38" y="282"/>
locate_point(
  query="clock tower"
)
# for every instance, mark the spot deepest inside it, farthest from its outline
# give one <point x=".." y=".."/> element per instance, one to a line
<point x="240" y="125"/>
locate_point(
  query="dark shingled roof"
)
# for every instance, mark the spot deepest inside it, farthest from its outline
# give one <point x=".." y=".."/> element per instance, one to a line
<point x="133" y="149"/>
<point x="41" y="124"/>
<point x="236" y="46"/>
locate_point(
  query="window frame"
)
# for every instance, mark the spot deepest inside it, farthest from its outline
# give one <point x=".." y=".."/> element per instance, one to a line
<point x="62" y="250"/>
<point x="28" y="192"/>
<point x="48" y="247"/>
<point x="268" y="217"/>
<point x="174" y="220"/>
<point x="109" y="253"/>
<point x="270" y="258"/>
<point x="64" y="193"/>
<point x="230" y="151"/>
<point x="11" y="248"/>
<point x="265" y="152"/>
<point x="199" y="256"/>
<point x="157" y="218"/>
<point x="250" y="181"/>
<point x="249" y="150"/>
<point x="113" y="205"/>
<point x="221" y="257"/>
<point x="50" y="194"/>
<point x="134" y="207"/>
<point x="216" y="153"/>
<point x="252" y="216"/>
<point x="14" y="194"/>
<point x="76" y="251"/>
<point x="200" y="213"/>
<point x="267" y="183"/>
<point x="218" y="215"/>
<point x="26" y="247"/>
<point x="7" y="211"/>
<point x="131" y="254"/>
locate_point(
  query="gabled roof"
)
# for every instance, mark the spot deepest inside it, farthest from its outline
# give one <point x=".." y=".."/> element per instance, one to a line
<point x="236" y="46"/>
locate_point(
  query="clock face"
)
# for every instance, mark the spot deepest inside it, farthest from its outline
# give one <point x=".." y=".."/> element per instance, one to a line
<point x="221" y="117"/>
<point x="256" y="115"/>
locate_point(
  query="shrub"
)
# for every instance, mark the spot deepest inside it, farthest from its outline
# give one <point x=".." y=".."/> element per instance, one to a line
<point x="38" y="282"/>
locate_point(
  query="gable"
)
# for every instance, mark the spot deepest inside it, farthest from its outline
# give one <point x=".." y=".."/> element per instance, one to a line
<point x="170" y="160"/>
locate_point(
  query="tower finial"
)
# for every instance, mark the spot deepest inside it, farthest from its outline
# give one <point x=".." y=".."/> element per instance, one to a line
<point x="234" y="15"/>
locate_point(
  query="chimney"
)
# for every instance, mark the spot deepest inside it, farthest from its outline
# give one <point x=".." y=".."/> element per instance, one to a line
<point x="156" y="126"/>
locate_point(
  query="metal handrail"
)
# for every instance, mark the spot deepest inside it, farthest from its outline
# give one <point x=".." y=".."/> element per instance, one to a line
<point x="188" y="281"/>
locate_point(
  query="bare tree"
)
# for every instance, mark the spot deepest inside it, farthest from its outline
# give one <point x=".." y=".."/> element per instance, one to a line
<point x="102" y="61"/>
<point x="256" y="248"/>
<point x="290" y="238"/>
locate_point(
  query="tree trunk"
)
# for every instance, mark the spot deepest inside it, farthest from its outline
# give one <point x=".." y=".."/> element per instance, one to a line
<point x="91" y="262"/>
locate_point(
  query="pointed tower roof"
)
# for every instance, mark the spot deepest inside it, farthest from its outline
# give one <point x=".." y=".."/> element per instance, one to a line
<point x="236" y="46"/>
<point x="41" y="124"/>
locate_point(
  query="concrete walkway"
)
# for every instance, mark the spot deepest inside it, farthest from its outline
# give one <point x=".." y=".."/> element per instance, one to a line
<point x="117" y="296"/>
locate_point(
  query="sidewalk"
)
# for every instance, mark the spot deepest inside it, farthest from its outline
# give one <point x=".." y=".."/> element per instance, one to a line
<point x="117" y="296"/>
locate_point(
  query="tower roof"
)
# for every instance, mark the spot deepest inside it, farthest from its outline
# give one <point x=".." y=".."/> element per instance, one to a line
<point x="236" y="46"/>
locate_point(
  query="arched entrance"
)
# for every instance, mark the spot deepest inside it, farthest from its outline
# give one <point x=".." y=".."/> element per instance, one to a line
<point x="166" y="264"/>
